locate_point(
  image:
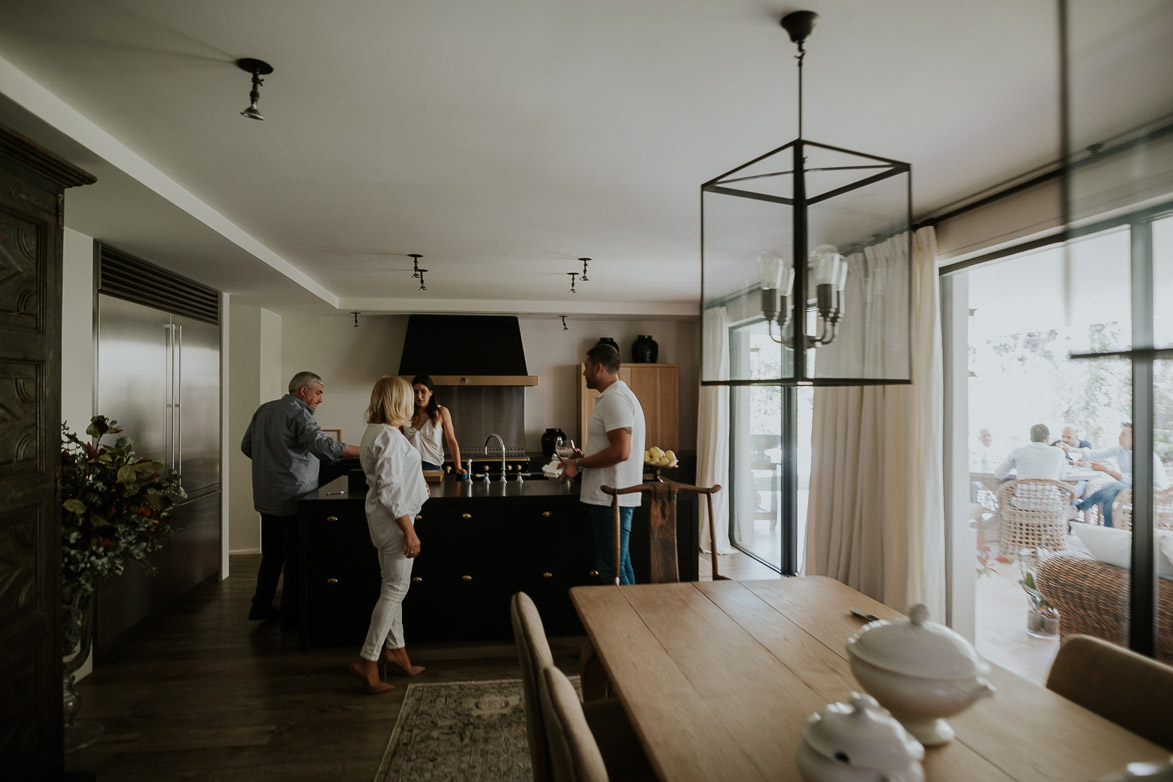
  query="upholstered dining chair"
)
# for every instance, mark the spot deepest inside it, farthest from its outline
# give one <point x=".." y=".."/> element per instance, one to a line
<point x="586" y="743"/>
<point x="1162" y="509"/>
<point x="608" y="727"/>
<point x="664" y="565"/>
<point x="1032" y="515"/>
<point x="1134" y="691"/>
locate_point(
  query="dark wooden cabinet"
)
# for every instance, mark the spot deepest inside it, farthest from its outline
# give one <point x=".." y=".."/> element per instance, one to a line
<point x="475" y="553"/>
<point x="32" y="184"/>
<point x="478" y="547"/>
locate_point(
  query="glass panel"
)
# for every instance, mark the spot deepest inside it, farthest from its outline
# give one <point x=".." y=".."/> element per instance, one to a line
<point x="1027" y="315"/>
<point x="806" y="408"/>
<point x="1163" y="282"/>
<point x="1163" y="505"/>
<point x="755" y="464"/>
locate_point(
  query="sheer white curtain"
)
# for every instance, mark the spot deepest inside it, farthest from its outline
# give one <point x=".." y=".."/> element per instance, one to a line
<point x="712" y="434"/>
<point x="875" y="516"/>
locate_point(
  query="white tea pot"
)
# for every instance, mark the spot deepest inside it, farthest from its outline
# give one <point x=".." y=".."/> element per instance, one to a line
<point x="858" y="742"/>
<point x="920" y="671"/>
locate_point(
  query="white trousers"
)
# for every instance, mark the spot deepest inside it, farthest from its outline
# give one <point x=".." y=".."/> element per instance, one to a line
<point x="387" y="618"/>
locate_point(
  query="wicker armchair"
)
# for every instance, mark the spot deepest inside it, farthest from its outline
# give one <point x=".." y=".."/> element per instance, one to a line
<point x="1162" y="509"/>
<point x="1092" y="598"/>
<point x="1032" y="515"/>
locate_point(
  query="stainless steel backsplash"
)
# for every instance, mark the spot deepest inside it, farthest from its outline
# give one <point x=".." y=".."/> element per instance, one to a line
<point x="480" y="411"/>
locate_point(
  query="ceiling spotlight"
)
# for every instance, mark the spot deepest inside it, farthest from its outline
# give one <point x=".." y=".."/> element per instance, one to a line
<point x="573" y="277"/>
<point x="421" y="274"/>
<point x="415" y="263"/>
<point x="584" y="269"/>
<point x="257" y="68"/>
<point x="355" y="314"/>
<point x="564" y="326"/>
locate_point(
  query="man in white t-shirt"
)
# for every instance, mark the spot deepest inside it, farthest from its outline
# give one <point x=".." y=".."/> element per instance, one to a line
<point x="614" y="457"/>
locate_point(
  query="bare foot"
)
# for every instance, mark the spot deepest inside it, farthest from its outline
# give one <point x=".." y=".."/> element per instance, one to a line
<point x="368" y="672"/>
<point x="398" y="663"/>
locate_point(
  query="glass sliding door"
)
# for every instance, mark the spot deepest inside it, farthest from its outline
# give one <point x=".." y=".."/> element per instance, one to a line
<point x="1027" y="315"/>
<point x="770" y="433"/>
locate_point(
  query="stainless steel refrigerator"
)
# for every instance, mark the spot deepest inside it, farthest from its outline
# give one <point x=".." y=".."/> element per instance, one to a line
<point x="159" y="377"/>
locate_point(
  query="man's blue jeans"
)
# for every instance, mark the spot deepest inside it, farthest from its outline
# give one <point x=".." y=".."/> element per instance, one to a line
<point x="603" y="520"/>
<point x="1105" y="497"/>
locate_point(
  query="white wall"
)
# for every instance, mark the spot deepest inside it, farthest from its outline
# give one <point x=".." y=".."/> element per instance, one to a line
<point x="350" y="359"/>
<point x="77" y="330"/>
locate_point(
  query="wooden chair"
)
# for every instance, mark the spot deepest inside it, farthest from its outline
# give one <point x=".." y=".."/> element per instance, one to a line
<point x="1162" y="509"/>
<point x="607" y="723"/>
<point x="1032" y="515"/>
<point x="665" y="567"/>
<point x="1131" y="690"/>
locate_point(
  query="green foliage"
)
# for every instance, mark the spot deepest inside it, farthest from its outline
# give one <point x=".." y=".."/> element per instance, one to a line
<point x="1037" y="601"/>
<point x="116" y="506"/>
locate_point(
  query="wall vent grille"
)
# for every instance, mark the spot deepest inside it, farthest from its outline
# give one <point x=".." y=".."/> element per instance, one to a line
<point x="126" y="277"/>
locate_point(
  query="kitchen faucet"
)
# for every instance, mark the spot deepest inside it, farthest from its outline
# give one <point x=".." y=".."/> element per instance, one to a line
<point x="502" y="442"/>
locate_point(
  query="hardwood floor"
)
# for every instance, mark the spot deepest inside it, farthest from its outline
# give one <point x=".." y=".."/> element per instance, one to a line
<point x="203" y="693"/>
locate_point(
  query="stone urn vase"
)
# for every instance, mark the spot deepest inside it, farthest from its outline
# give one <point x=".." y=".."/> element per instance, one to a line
<point x="77" y="624"/>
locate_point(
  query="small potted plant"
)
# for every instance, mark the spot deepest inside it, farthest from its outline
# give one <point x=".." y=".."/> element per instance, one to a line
<point x="1042" y="618"/>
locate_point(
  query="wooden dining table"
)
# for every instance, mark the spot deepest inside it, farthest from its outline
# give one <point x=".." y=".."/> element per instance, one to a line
<point x="718" y="679"/>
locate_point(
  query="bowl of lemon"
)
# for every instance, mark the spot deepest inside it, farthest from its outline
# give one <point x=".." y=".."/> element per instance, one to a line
<point x="658" y="457"/>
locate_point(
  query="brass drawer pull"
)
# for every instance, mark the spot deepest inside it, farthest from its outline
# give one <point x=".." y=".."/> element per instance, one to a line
<point x="466" y="578"/>
<point x="331" y="518"/>
<point x="331" y="581"/>
<point x="466" y="516"/>
<point x="547" y="575"/>
<point x="419" y="516"/>
<point x="594" y="573"/>
<point x="416" y="579"/>
<point x="546" y="514"/>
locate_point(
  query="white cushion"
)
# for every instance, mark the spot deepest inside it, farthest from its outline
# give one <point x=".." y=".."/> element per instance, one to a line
<point x="1114" y="546"/>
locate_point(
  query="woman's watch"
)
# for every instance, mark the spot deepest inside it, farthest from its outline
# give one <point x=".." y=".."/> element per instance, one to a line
<point x="578" y="464"/>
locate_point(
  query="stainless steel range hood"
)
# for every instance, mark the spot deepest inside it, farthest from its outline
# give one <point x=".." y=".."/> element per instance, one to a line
<point x="465" y="350"/>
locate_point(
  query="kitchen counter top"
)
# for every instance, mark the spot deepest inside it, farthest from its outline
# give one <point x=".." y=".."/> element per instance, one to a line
<point x="451" y="489"/>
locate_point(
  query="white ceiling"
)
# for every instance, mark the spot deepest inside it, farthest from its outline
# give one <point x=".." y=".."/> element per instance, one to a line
<point x="504" y="139"/>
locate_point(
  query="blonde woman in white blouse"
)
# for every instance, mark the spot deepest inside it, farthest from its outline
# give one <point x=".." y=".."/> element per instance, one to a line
<point x="395" y="493"/>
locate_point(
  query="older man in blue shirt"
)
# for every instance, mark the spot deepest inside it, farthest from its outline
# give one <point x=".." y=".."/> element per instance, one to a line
<point x="286" y="445"/>
<point x="1122" y="453"/>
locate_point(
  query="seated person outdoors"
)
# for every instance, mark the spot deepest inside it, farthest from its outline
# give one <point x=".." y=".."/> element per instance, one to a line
<point x="1122" y="453"/>
<point x="1072" y="445"/>
<point x="1076" y="449"/>
<point x="1037" y="460"/>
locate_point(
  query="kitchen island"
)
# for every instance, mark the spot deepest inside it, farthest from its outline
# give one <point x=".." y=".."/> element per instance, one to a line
<point x="480" y="543"/>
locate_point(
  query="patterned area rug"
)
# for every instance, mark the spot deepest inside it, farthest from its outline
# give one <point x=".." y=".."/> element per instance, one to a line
<point x="459" y="731"/>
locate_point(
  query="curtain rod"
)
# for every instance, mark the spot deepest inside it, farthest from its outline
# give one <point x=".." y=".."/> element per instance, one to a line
<point x="1096" y="154"/>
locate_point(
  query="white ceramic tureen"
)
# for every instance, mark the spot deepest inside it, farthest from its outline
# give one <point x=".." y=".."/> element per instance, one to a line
<point x="858" y="742"/>
<point x="1146" y="772"/>
<point x="920" y="671"/>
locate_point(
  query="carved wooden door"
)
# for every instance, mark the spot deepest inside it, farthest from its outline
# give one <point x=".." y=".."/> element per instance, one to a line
<point x="31" y="203"/>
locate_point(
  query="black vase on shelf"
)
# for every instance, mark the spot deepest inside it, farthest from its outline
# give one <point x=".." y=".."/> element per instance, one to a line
<point x="609" y="341"/>
<point x="550" y="440"/>
<point x="644" y="350"/>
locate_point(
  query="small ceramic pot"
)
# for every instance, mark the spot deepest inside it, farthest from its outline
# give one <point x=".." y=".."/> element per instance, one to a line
<point x="920" y="671"/>
<point x="858" y="742"/>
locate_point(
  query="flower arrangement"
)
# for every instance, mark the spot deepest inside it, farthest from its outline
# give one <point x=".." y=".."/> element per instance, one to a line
<point x="115" y="506"/>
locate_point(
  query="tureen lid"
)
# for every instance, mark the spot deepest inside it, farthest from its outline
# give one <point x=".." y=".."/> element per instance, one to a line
<point x="1148" y="772"/>
<point x="917" y="647"/>
<point x="861" y="734"/>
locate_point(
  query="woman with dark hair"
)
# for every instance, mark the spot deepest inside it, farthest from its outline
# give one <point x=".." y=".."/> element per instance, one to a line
<point x="431" y="426"/>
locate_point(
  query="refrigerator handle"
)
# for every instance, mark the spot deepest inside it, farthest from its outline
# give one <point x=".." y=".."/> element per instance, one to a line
<point x="179" y="408"/>
<point x="169" y="380"/>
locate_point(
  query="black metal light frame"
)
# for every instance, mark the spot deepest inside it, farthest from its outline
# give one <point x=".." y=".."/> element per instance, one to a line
<point x="874" y="168"/>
